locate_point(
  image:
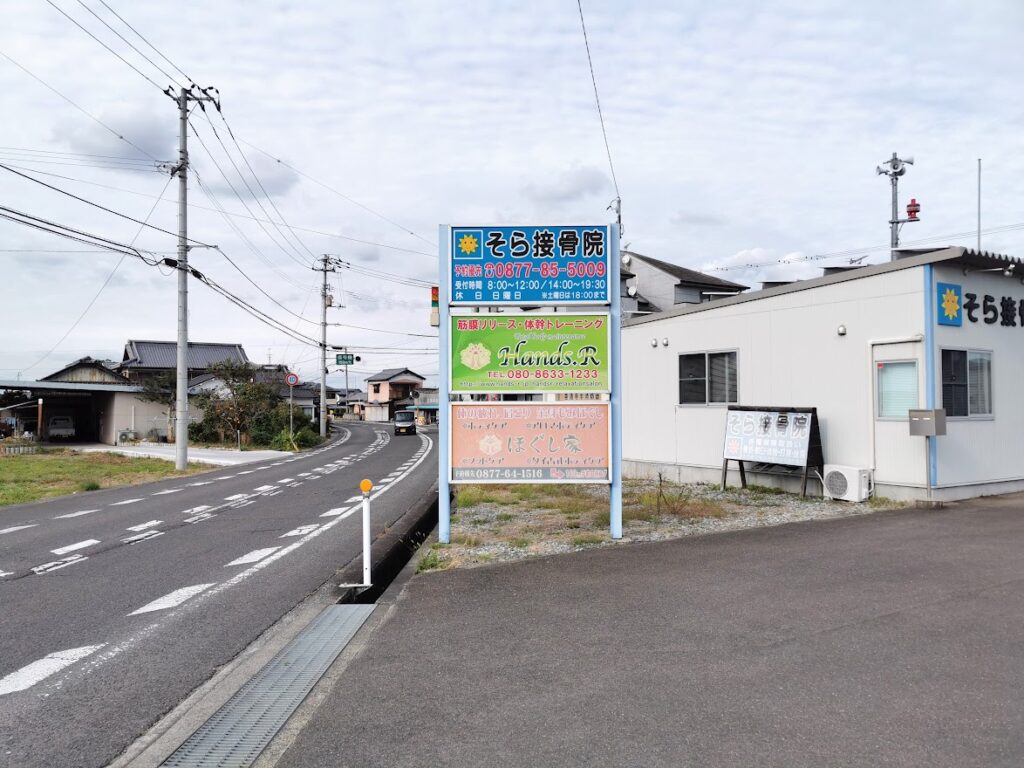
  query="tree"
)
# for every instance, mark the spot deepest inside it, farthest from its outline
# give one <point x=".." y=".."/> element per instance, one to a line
<point x="240" y="399"/>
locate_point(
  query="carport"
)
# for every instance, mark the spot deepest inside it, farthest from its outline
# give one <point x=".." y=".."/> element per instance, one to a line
<point x="91" y="406"/>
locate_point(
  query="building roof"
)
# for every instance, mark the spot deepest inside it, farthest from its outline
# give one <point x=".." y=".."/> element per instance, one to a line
<point x="684" y="275"/>
<point x="66" y="386"/>
<point x="163" y="355"/>
<point x="393" y="373"/>
<point x="905" y="259"/>
<point x="85" y="362"/>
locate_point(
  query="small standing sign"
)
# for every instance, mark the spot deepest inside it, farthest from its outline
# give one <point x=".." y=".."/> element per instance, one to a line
<point x="786" y="436"/>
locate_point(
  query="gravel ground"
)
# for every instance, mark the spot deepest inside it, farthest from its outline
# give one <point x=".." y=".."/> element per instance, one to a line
<point x="506" y="523"/>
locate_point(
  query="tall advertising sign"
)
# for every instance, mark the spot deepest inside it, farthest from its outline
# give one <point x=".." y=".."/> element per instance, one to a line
<point x="548" y="353"/>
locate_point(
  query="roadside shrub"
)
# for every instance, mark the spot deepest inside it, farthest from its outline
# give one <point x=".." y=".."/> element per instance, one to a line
<point x="263" y="428"/>
<point x="282" y="441"/>
<point x="202" y="432"/>
<point x="306" y="438"/>
<point x="90" y="485"/>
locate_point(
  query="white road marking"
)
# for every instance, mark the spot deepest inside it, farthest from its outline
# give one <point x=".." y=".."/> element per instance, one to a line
<point x="126" y="501"/>
<point x="39" y="670"/>
<point x="18" y="528"/>
<point x="247" y="472"/>
<point x="169" y="490"/>
<point x="265" y="488"/>
<point x="133" y="640"/>
<point x="253" y="557"/>
<point x="304" y="474"/>
<point x="354" y="498"/>
<point x="302" y="530"/>
<point x="201" y="482"/>
<point x="6" y="573"/>
<point x="193" y="510"/>
<point x="335" y="512"/>
<point x="141" y="537"/>
<point x="57" y="564"/>
<point x="200" y="517"/>
<point x="223" y="477"/>
<point x="286" y="480"/>
<point x="175" y="598"/>
<point x="236" y="497"/>
<point x="76" y="514"/>
<point x="73" y="547"/>
<point x="144" y="526"/>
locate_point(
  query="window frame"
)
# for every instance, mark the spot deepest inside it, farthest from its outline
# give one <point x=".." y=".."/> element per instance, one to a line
<point x="707" y="378"/>
<point x="990" y="416"/>
<point x="879" y="364"/>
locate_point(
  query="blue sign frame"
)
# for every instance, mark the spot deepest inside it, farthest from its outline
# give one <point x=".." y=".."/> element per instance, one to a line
<point x="548" y="266"/>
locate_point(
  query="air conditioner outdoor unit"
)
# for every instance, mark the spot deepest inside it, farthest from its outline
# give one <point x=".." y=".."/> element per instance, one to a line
<point x="847" y="483"/>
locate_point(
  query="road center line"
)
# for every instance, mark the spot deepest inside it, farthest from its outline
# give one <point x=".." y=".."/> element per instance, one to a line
<point x="169" y="490"/>
<point x="171" y="600"/>
<point x="144" y="526"/>
<point x="126" y="501"/>
<point x="73" y="547"/>
<point x="18" y="528"/>
<point x="76" y="514"/>
<point x="39" y="670"/>
<point x="58" y="564"/>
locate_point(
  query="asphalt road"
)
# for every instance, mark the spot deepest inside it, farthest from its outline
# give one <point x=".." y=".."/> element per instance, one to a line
<point x="115" y="605"/>
<point x="892" y="639"/>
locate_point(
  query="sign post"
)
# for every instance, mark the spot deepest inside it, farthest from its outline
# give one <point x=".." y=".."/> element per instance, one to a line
<point x="529" y="353"/>
<point x="291" y="380"/>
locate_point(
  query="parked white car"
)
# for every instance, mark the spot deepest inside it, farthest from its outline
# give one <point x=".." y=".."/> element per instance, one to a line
<point x="62" y="427"/>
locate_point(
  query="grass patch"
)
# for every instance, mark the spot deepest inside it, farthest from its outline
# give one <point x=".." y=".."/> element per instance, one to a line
<point x="504" y="517"/>
<point x="586" y="540"/>
<point x="519" y="542"/>
<point x="35" y="476"/>
<point x="471" y="495"/>
<point x="432" y="561"/>
<point x="882" y="502"/>
<point x="465" y="540"/>
<point x="767" y="490"/>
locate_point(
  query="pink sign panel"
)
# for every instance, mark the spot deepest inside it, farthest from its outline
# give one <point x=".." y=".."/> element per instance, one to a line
<point x="530" y="442"/>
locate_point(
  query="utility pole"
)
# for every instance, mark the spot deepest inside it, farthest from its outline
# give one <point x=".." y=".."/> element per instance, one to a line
<point x="895" y="167"/>
<point x="185" y="95"/>
<point x="326" y="265"/>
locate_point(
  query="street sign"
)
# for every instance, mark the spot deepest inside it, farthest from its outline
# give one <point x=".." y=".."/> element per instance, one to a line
<point x="291" y="379"/>
<point x="344" y="359"/>
<point x="557" y="352"/>
<point x="530" y="442"/>
<point x="535" y="266"/>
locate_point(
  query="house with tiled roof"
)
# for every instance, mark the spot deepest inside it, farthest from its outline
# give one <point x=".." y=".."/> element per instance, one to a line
<point x="143" y="359"/>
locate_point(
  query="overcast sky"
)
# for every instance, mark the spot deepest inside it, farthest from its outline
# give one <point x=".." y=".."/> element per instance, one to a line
<point x="741" y="133"/>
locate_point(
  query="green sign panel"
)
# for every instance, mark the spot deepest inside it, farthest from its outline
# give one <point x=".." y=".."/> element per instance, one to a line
<point x="344" y="359"/>
<point x="531" y="353"/>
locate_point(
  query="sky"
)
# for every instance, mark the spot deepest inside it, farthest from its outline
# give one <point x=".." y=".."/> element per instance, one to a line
<point x="741" y="134"/>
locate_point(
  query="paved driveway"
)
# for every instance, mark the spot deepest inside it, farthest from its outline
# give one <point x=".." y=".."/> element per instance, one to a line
<point x="895" y="639"/>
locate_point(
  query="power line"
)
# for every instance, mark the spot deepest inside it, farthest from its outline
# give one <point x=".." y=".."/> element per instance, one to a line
<point x="239" y="196"/>
<point x="342" y="195"/>
<point x="72" y="155"/>
<point x="129" y="44"/>
<point x="76" y="106"/>
<point x="141" y="37"/>
<point x="248" y="165"/>
<point x="225" y="212"/>
<point x="115" y="53"/>
<point x="97" y="205"/>
<point x="103" y="286"/>
<point x="597" y="99"/>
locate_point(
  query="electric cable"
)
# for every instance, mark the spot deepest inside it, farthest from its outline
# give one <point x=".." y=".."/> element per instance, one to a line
<point x="115" y="53"/>
<point x="143" y="38"/>
<point x="597" y="99"/>
<point x="129" y="44"/>
<point x="79" y="108"/>
<point x="104" y="285"/>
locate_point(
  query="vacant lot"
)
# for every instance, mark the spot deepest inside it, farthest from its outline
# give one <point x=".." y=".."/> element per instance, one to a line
<point x="31" y="477"/>
<point x="509" y="522"/>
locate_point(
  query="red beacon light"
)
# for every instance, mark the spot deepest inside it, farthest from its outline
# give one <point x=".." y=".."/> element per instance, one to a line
<point x="913" y="207"/>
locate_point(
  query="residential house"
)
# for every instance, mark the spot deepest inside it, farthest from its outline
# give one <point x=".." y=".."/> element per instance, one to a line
<point x="385" y="389"/>
<point x="143" y="359"/>
<point x="660" y="286"/>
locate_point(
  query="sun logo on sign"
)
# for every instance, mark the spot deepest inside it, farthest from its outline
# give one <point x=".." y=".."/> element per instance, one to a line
<point x="468" y="243"/>
<point x="950" y="303"/>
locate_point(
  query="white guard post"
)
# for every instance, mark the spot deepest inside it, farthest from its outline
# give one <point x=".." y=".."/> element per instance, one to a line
<point x="365" y="486"/>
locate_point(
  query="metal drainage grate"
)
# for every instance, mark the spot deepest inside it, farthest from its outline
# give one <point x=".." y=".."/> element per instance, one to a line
<point x="237" y="733"/>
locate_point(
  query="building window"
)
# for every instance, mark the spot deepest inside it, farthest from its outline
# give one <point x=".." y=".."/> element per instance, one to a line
<point x="708" y="378"/>
<point x="376" y="389"/>
<point x="897" y="389"/>
<point x="966" y="382"/>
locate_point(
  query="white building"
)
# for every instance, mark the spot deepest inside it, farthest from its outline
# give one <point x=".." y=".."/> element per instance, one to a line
<point x="932" y="329"/>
